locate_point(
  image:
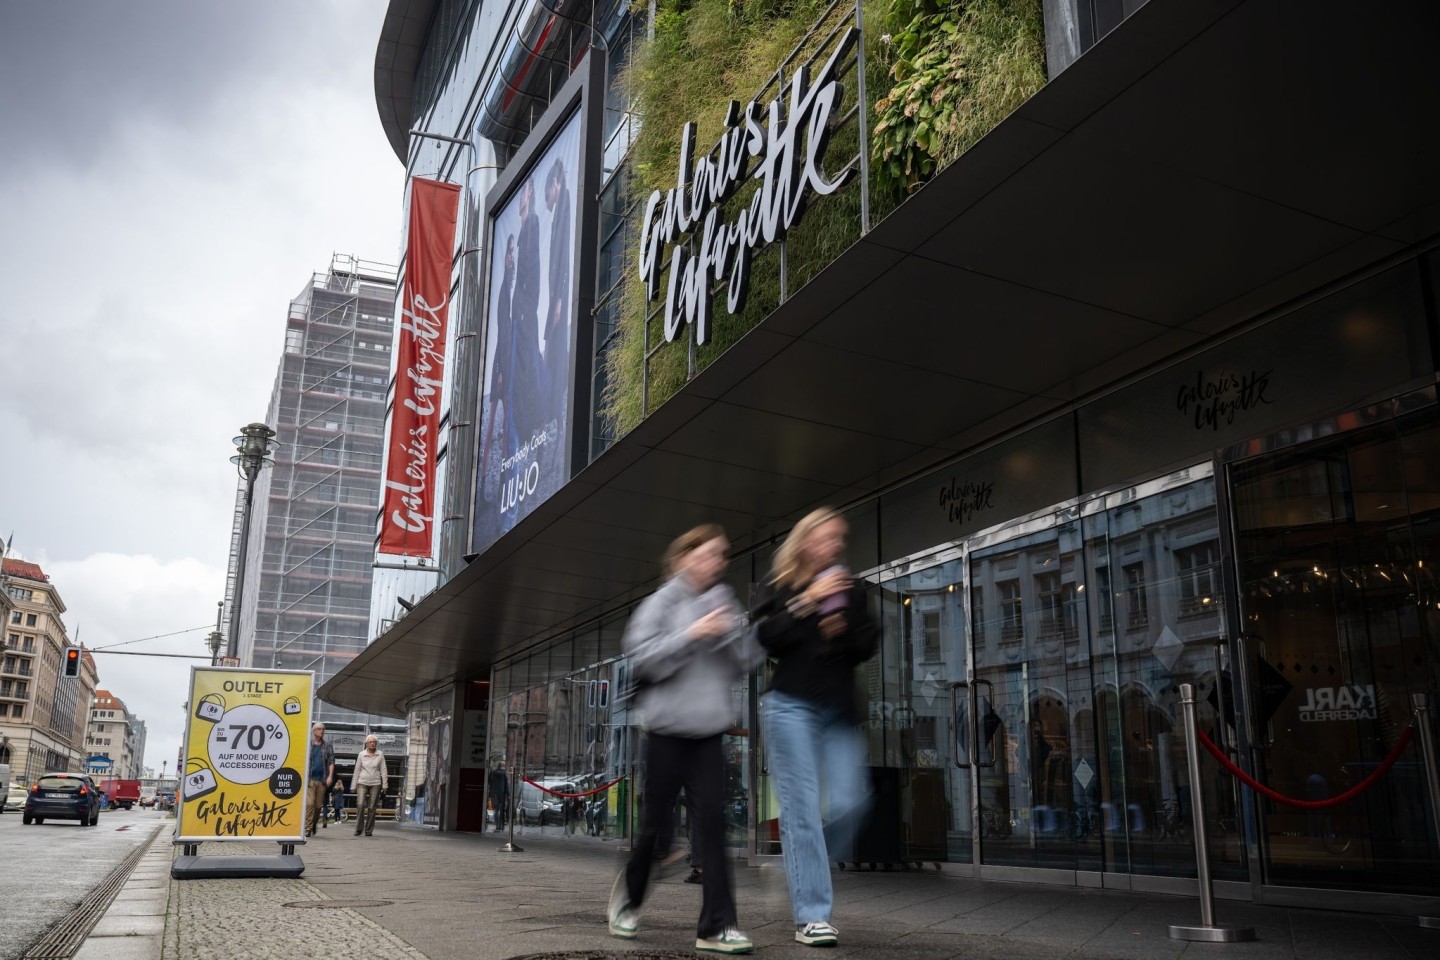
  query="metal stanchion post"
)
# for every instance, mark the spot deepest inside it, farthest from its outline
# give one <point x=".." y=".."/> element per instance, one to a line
<point x="510" y="814"/>
<point x="1421" y="703"/>
<point x="1207" y="931"/>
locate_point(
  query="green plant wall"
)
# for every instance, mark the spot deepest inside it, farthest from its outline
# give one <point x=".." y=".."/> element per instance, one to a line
<point x="938" y="77"/>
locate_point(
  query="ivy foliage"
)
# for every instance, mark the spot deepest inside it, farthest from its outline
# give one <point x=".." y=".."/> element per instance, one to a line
<point x="947" y="59"/>
<point x="959" y="68"/>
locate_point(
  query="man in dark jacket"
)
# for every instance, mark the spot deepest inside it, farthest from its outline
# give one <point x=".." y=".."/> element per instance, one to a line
<point x="499" y="782"/>
<point x="321" y="775"/>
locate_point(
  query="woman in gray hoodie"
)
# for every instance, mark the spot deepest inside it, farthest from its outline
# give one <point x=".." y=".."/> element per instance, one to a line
<point x="686" y="645"/>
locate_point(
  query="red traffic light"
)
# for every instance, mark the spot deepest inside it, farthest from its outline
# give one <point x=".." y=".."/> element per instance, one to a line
<point x="72" y="661"/>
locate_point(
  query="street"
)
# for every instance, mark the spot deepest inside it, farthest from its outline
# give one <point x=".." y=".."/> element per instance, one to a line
<point x="48" y="868"/>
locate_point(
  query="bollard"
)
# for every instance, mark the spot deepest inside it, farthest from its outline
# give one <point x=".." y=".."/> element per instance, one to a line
<point x="1421" y="703"/>
<point x="510" y="815"/>
<point x="1207" y="931"/>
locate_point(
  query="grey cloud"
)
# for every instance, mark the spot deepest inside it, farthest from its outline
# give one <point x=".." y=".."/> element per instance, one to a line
<point x="75" y="72"/>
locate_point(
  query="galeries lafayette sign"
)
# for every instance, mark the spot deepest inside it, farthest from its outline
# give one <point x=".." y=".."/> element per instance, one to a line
<point x="782" y="145"/>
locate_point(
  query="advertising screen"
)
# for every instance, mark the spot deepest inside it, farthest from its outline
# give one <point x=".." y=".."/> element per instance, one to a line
<point x="525" y="400"/>
<point x="246" y="736"/>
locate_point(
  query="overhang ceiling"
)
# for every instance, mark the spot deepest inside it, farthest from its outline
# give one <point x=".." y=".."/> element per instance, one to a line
<point x="1208" y="160"/>
<point x="397" y="60"/>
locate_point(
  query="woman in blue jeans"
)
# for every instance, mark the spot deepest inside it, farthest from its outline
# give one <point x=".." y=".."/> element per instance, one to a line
<point x="815" y="621"/>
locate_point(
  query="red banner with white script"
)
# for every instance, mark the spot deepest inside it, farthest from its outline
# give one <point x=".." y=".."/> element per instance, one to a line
<point x="407" y="523"/>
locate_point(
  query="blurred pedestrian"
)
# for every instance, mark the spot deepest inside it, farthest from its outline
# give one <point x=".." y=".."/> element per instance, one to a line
<point x="815" y="621"/>
<point x="321" y="771"/>
<point x="369" y="780"/>
<point x="687" y="647"/>
<point x="697" y="856"/>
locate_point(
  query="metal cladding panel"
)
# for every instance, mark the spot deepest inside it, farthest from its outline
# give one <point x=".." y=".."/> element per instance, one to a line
<point x="966" y="324"/>
<point x="1356" y="149"/>
<point x="799" y="383"/>
<point x="1159" y="245"/>
<point x="727" y="493"/>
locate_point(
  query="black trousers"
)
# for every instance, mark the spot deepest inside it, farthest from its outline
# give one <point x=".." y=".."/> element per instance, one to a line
<point x="699" y="767"/>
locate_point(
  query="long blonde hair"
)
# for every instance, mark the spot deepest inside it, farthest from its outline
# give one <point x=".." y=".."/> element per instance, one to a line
<point x="788" y="568"/>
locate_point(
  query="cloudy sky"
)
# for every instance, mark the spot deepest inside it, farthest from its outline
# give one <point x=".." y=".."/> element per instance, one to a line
<point x="171" y="173"/>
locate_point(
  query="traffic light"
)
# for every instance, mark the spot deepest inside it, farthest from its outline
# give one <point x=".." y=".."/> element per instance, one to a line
<point x="72" y="661"/>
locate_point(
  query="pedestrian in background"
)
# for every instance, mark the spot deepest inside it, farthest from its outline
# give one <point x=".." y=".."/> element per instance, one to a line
<point x="499" y="783"/>
<point x="369" y="780"/>
<point x="815" y="621"/>
<point x="687" y="647"/>
<point x="321" y="771"/>
<point x="337" y="799"/>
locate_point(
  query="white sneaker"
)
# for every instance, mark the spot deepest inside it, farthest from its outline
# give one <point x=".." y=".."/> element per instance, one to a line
<point x="622" y="920"/>
<point x="728" y="940"/>
<point x="818" y="934"/>
<point x="625" y="924"/>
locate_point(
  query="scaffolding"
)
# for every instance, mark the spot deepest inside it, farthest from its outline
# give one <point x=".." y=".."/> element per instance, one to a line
<point x="306" y="602"/>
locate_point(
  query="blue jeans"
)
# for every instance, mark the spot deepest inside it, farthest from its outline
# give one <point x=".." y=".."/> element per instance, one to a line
<point x="815" y="826"/>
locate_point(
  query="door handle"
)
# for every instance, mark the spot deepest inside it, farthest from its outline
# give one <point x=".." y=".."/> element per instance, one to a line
<point x="960" y="723"/>
<point x="975" y="717"/>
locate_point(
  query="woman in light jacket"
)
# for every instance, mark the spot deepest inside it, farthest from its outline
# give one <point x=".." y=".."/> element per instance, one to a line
<point x="816" y="622"/>
<point x="687" y="649"/>
<point x="369" y="781"/>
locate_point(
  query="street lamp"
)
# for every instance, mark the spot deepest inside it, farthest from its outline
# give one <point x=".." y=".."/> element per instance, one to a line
<point x="252" y="455"/>
<point x="216" y="638"/>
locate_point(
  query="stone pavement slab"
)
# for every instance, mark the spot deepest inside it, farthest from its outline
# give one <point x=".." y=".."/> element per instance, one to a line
<point x="456" y="897"/>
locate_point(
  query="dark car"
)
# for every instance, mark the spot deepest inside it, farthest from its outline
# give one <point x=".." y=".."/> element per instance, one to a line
<point x="63" y="796"/>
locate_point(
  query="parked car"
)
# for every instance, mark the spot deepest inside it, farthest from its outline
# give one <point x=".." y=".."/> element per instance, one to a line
<point x="15" y="797"/>
<point x="63" y="796"/>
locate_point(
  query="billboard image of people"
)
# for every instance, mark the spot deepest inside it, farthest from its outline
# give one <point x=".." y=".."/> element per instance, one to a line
<point x="525" y="400"/>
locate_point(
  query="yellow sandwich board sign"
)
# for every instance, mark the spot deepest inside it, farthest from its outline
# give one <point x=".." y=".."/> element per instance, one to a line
<point x="246" y="736"/>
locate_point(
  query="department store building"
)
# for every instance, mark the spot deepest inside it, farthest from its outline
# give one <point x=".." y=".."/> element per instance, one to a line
<point x="1140" y="390"/>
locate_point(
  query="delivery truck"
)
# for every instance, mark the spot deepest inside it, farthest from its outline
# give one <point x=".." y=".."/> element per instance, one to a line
<point x="122" y="793"/>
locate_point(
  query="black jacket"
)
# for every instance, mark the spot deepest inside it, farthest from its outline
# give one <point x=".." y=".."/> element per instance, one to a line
<point x="809" y="666"/>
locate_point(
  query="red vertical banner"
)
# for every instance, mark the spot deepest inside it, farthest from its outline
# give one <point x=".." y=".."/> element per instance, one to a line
<point x="407" y="523"/>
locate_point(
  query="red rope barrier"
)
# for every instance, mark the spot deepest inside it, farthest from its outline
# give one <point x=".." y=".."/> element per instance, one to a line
<point x="571" y="796"/>
<point x="1336" y="800"/>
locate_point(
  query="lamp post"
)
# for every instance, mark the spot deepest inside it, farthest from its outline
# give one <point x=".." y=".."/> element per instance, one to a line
<point x="216" y="638"/>
<point x="252" y="455"/>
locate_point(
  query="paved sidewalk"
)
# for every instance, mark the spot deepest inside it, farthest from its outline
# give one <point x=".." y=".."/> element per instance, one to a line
<point x="455" y="897"/>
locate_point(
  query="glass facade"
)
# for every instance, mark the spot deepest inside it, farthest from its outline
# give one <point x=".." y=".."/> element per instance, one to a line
<point x="1336" y="548"/>
<point x="1024" y="709"/>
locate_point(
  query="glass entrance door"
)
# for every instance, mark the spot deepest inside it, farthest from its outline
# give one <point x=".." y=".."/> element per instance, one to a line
<point x="1034" y="717"/>
<point x="1084" y="624"/>
<point x="924" y="746"/>
<point x="1336" y="547"/>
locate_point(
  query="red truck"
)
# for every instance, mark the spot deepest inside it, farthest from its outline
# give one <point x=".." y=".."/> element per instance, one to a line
<point x="122" y="793"/>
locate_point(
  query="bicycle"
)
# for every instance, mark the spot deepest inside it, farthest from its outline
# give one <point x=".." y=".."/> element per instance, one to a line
<point x="331" y="815"/>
